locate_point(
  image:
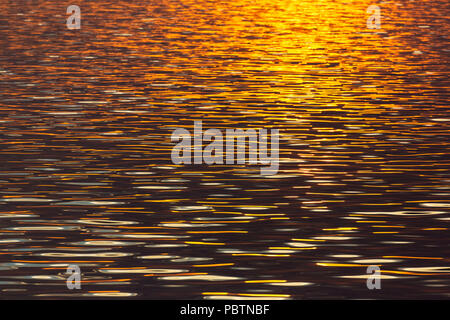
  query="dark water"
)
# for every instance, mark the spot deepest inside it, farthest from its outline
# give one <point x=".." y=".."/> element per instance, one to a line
<point x="86" y="176"/>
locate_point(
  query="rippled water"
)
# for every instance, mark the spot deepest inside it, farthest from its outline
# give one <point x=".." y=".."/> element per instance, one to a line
<point x="86" y="175"/>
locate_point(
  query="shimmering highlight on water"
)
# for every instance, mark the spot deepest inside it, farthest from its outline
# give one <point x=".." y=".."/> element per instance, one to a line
<point x="86" y="175"/>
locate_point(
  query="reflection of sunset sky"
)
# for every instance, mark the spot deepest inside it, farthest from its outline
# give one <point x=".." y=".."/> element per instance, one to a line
<point x="86" y="175"/>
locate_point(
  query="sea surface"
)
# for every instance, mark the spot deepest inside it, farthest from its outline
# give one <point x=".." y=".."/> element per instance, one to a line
<point x="86" y="176"/>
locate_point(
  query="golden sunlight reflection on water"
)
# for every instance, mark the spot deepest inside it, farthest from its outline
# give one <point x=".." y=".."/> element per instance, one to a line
<point x="87" y="178"/>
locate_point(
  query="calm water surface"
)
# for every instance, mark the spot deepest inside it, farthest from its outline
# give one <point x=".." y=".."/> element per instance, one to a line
<point x="86" y="176"/>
